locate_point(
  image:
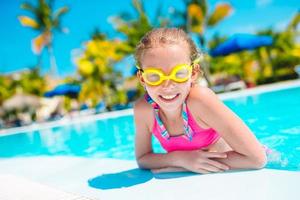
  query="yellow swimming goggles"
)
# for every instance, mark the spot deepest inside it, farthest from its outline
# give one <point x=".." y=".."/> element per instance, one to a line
<point x="180" y="73"/>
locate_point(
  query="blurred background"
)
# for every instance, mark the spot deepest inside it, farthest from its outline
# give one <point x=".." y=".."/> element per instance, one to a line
<point x="71" y="58"/>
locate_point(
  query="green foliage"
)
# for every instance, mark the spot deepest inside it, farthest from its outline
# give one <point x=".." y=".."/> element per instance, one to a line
<point x="6" y="88"/>
<point x="285" y="62"/>
<point x="133" y="28"/>
<point x="100" y="82"/>
<point x="274" y="63"/>
<point x="45" y="21"/>
<point x="216" y="40"/>
<point x="46" y="18"/>
<point x="196" y="18"/>
<point x="31" y="82"/>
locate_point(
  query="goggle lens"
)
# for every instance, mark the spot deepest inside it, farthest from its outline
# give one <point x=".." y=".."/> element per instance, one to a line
<point x="154" y="76"/>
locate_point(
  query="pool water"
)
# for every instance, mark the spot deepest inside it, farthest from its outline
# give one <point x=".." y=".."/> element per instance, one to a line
<point x="274" y="117"/>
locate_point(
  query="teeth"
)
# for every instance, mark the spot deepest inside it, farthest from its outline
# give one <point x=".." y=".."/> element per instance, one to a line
<point x="169" y="96"/>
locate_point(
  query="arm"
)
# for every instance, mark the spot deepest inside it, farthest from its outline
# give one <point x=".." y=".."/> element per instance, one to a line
<point x="143" y="143"/>
<point x="247" y="151"/>
<point x="240" y="161"/>
<point x="197" y="161"/>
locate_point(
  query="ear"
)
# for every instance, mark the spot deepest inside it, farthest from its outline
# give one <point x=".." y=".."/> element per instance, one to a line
<point x="197" y="72"/>
<point x="140" y="77"/>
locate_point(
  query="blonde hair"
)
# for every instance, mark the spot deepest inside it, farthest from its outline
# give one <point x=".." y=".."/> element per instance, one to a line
<point x="163" y="36"/>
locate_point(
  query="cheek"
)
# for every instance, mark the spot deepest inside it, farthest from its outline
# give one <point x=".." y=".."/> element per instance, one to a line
<point x="152" y="89"/>
<point x="186" y="85"/>
<point x="153" y="92"/>
<point x="183" y="87"/>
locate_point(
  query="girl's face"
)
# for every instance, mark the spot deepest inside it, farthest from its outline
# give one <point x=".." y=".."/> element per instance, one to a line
<point x="170" y="94"/>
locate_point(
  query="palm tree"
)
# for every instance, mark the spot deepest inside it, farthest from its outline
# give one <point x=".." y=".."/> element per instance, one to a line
<point x="45" y="21"/>
<point x="133" y="28"/>
<point x="279" y="56"/>
<point x="195" y="18"/>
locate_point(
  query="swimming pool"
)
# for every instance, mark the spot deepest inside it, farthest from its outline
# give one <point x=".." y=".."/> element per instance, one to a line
<point x="273" y="116"/>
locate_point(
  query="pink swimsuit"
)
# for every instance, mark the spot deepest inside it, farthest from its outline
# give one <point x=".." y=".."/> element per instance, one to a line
<point x="194" y="137"/>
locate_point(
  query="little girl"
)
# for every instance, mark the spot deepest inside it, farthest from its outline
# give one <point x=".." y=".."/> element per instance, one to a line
<point x="197" y="130"/>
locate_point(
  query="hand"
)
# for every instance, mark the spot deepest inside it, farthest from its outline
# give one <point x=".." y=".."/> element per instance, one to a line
<point x="200" y="161"/>
<point x="168" y="169"/>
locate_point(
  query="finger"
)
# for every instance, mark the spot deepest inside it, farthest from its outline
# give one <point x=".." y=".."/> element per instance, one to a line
<point x="210" y="168"/>
<point x="154" y="171"/>
<point x="168" y="169"/>
<point x="217" y="164"/>
<point x="202" y="171"/>
<point x="214" y="154"/>
<point x="160" y="170"/>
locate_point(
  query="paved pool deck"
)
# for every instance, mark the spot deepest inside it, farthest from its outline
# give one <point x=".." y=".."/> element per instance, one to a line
<point x="120" y="179"/>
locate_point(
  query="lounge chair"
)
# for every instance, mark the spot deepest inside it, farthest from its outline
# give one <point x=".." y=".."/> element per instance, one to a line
<point x="237" y="85"/>
<point x="227" y="84"/>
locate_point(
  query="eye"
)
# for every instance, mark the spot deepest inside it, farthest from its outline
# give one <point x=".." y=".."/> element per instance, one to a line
<point x="182" y="73"/>
<point x="153" y="77"/>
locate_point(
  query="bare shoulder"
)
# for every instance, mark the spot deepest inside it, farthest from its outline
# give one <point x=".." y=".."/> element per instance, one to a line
<point x="141" y="105"/>
<point x="143" y="112"/>
<point x="200" y="101"/>
<point x="201" y="96"/>
<point x="205" y="105"/>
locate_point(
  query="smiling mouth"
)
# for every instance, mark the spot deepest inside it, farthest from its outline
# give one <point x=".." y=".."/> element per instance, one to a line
<point x="168" y="98"/>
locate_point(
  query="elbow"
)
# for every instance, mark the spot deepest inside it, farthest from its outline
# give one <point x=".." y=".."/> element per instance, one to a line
<point x="141" y="165"/>
<point x="141" y="162"/>
<point x="260" y="161"/>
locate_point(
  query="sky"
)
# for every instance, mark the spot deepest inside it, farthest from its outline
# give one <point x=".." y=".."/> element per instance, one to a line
<point x="84" y="16"/>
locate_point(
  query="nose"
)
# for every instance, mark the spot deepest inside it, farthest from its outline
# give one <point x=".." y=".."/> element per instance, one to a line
<point x="167" y="83"/>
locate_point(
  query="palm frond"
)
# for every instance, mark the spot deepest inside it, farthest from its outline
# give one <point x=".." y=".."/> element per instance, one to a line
<point x="28" y="21"/>
<point x="221" y="11"/>
<point x="294" y="22"/>
<point x="57" y="17"/>
<point x="138" y="5"/>
<point x="203" y="5"/>
<point x="195" y="19"/>
<point x="28" y="6"/>
<point x="61" y="11"/>
<point x="40" y="42"/>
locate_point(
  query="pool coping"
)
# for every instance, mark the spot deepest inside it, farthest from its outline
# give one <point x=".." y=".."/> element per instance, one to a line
<point x="117" y="179"/>
<point x="67" y="120"/>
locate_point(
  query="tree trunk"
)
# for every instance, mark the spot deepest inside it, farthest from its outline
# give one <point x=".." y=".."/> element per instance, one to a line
<point x="53" y="66"/>
<point x="39" y="61"/>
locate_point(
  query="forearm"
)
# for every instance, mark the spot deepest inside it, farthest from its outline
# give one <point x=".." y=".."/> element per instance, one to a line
<point x="159" y="160"/>
<point x="238" y="161"/>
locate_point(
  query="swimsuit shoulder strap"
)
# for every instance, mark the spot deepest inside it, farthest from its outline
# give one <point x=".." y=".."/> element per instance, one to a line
<point x="150" y="101"/>
<point x="186" y="125"/>
<point x="164" y="132"/>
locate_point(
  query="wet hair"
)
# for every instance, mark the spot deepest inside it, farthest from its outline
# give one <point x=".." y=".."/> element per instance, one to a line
<point x="164" y="36"/>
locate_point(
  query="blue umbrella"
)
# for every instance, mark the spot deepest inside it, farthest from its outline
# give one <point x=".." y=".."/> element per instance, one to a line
<point x="240" y="42"/>
<point x="64" y="89"/>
